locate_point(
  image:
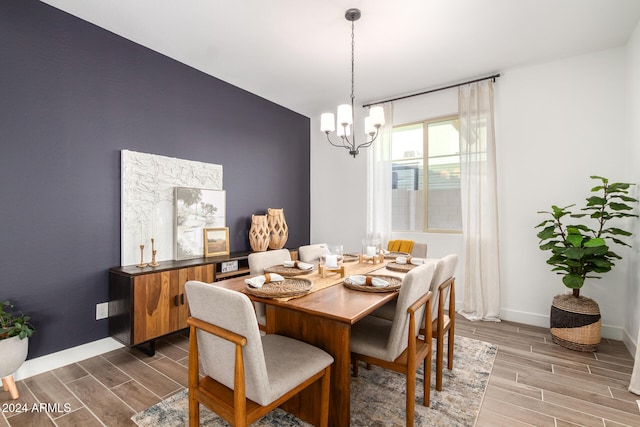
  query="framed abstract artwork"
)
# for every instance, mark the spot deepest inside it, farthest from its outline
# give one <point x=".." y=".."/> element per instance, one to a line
<point x="195" y="210"/>
<point x="216" y="241"/>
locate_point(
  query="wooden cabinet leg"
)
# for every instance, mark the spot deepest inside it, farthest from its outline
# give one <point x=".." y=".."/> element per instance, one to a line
<point x="8" y="384"/>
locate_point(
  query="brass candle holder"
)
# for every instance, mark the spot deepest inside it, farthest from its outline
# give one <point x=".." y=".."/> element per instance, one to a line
<point x="154" y="251"/>
<point x="142" y="263"/>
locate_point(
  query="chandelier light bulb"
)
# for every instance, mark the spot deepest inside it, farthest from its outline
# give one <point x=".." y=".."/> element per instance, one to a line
<point x="327" y="123"/>
<point x="345" y="115"/>
<point x="377" y="116"/>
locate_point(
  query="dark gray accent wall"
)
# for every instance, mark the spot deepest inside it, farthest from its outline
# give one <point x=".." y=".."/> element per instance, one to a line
<point x="72" y="96"/>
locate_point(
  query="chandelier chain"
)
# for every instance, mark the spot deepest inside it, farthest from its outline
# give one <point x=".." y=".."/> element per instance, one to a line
<point x="353" y="62"/>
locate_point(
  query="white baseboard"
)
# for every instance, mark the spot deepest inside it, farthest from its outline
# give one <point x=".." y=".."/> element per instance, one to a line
<point x="533" y="319"/>
<point x="630" y="343"/>
<point x="65" y="357"/>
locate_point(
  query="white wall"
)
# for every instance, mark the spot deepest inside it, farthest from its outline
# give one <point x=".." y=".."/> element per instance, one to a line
<point x="338" y="191"/>
<point x="556" y="124"/>
<point x="632" y="324"/>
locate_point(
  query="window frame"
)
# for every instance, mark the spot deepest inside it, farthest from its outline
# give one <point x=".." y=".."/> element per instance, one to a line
<point x="425" y="175"/>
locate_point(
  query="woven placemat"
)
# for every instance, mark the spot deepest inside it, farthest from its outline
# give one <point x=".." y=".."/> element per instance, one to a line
<point x="394" y="284"/>
<point x="287" y="288"/>
<point x="349" y="258"/>
<point x="394" y="255"/>
<point x="402" y="268"/>
<point x="287" y="271"/>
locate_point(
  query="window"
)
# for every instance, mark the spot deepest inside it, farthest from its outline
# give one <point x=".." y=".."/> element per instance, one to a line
<point x="431" y="202"/>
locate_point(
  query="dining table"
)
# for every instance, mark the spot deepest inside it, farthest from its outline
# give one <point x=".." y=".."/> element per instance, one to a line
<point x="323" y="317"/>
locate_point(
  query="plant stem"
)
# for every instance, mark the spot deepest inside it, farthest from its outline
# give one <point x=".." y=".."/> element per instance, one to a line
<point x="576" y="293"/>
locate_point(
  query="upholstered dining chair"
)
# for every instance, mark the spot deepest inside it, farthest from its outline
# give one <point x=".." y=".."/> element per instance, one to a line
<point x="312" y="253"/>
<point x="397" y="345"/>
<point x="419" y="250"/>
<point x="258" y="261"/>
<point x="237" y="373"/>
<point x="443" y="289"/>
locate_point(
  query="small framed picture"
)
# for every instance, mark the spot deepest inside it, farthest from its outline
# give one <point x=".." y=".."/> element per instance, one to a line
<point x="216" y="241"/>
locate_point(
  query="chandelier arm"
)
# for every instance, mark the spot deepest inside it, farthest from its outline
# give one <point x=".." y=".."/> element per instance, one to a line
<point x="343" y="145"/>
<point x="368" y="144"/>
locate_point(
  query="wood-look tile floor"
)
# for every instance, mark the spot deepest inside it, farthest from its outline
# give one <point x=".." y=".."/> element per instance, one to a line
<point x="534" y="383"/>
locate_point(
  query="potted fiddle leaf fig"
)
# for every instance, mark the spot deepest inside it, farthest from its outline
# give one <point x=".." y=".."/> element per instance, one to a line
<point x="580" y="246"/>
<point x="15" y="330"/>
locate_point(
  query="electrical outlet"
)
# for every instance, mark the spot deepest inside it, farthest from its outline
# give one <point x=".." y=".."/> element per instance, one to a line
<point x="102" y="310"/>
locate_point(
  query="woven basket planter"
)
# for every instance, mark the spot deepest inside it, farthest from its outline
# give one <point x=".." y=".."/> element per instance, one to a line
<point x="576" y="322"/>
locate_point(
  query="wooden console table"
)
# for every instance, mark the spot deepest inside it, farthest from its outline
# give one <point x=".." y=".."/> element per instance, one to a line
<point x="147" y="303"/>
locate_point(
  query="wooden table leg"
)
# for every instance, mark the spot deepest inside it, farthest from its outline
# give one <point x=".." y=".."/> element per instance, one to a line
<point x="331" y="336"/>
<point x="8" y="384"/>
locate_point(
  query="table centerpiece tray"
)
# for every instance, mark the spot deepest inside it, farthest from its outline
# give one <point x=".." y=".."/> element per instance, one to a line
<point x="394" y="255"/>
<point x="401" y="268"/>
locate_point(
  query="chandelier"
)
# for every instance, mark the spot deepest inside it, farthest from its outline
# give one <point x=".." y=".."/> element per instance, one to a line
<point x="345" y="121"/>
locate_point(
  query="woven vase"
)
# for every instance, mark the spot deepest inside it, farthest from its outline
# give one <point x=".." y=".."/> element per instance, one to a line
<point x="576" y="322"/>
<point x="278" y="230"/>
<point x="259" y="233"/>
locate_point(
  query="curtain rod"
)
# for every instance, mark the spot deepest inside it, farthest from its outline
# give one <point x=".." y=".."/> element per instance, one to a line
<point x="493" y="77"/>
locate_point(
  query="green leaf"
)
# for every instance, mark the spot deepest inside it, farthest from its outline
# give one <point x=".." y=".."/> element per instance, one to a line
<point x="624" y="198"/>
<point x="547" y="233"/>
<point x="573" y="281"/>
<point x="601" y="262"/>
<point x="617" y="231"/>
<point x="545" y="222"/>
<point x="619" y="206"/>
<point x="575" y="240"/>
<point x="574" y="253"/>
<point x="596" y="201"/>
<point x="592" y="243"/>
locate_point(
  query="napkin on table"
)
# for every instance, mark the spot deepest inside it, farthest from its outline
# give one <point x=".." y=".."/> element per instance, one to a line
<point x="258" y="281"/>
<point x="409" y="260"/>
<point x="298" y="264"/>
<point x="359" y="279"/>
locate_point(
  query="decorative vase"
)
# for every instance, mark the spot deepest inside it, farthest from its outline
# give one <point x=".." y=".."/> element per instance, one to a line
<point x="576" y="322"/>
<point x="259" y="233"/>
<point x="278" y="230"/>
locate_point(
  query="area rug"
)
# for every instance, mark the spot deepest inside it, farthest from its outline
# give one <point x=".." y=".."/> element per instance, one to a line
<point x="377" y="396"/>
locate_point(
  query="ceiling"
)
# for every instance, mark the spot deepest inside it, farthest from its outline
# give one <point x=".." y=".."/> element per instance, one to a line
<point x="298" y="53"/>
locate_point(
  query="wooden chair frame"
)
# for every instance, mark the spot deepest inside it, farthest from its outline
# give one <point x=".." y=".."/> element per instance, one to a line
<point x="418" y="350"/>
<point x="443" y="324"/>
<point x="233" y="405"/>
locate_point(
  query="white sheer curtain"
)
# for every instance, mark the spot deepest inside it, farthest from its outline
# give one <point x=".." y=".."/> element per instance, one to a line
<point x="379" y="180"/>
<point x="479" y="202"/>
